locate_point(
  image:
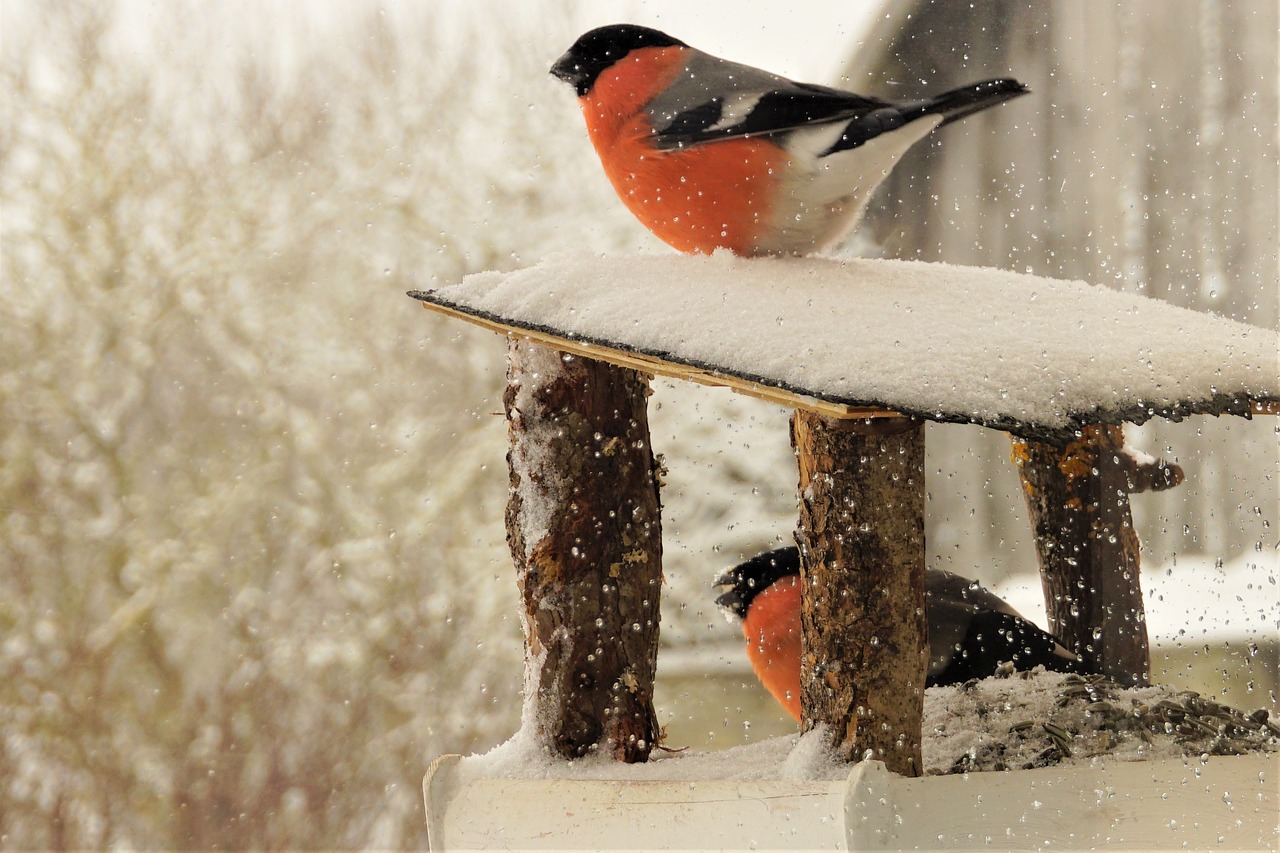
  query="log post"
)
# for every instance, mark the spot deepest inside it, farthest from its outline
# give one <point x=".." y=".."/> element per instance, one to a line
<point x="863" y="631"/>
<point x="584" y="528"/>
<point x="1078" y="498"/>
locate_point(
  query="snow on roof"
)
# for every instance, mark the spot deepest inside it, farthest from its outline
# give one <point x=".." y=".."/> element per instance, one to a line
<point x="1034" y="356"/>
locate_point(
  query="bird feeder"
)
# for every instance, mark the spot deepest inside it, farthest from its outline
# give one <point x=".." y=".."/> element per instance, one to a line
<point x="864" y="352"/>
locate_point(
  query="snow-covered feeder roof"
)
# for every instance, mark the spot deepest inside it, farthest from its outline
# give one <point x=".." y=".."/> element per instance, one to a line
<point x="1034" y="356"/>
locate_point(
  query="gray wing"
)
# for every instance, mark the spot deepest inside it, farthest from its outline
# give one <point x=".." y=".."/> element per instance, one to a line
<point x="713" y="99"/>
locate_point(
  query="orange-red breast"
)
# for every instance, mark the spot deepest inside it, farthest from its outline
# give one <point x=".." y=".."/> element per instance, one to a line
<point x="972" y="631"/>
<point x="712" y="154"/>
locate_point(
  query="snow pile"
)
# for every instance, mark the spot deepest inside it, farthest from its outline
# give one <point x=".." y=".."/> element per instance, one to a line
<point x="950" y="343"/>
<point x="1033" y="719"/>
<point x="539" y="495"/>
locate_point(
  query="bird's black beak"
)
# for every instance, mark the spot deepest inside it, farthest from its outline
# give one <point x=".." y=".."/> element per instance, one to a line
<point x="729" y="598"/>
<point x="567" y="69"/>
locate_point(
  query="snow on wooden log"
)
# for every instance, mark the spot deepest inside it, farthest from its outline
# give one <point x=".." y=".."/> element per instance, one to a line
<point x="585" y="533"/>
<point x="1037" y="357"/>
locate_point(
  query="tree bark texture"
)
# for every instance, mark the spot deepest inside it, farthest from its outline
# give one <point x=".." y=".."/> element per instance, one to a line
<point x="863" y="631"/>
<point x="1078" y="497"/>
<point x="584" y="528"/>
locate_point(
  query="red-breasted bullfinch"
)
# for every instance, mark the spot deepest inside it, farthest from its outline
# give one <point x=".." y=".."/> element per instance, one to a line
<point x="711" y="154"/>
<point x="972" y="631"/>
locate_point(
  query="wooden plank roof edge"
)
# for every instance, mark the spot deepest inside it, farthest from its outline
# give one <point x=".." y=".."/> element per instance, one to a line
<point x="657" y="363"/>
<point x="663" y="364"/>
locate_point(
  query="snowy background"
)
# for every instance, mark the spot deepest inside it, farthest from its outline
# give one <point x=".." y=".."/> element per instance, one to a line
<point x="252" y="566"/>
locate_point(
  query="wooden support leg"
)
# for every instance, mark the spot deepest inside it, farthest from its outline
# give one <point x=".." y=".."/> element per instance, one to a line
<point x="861" y="536"/>
<point x="1078" y="497"/>
<point x="584" y="528"/>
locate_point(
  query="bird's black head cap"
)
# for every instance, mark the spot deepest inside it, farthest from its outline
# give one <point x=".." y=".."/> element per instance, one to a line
<point x="744" y="582"/>
<point x="596" y="50"/>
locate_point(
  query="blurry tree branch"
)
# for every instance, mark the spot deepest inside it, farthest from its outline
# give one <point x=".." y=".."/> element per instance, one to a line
<point x="250" y="518"/>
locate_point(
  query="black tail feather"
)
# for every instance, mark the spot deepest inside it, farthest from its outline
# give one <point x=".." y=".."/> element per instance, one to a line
<point x="966" y="100"/>
<point x="997" y="638"/>
<point x="952" y="106"/>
